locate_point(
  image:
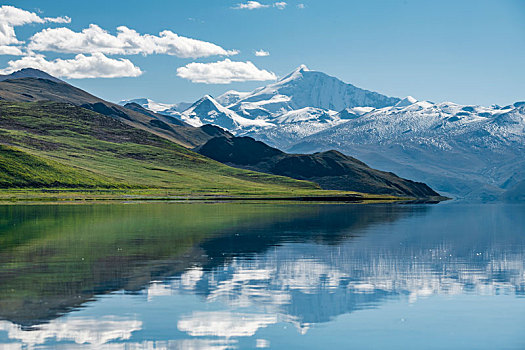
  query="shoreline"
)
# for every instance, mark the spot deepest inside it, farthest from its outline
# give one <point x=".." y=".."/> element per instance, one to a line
<point x="79" y="196"/>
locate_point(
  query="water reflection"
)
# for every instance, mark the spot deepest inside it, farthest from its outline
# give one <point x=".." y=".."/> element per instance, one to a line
<point x="238" y="271"/>
<point x="78" y="329"/>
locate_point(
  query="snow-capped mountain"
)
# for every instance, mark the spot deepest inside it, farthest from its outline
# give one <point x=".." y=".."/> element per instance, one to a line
<point x="305" y="88"/>
<point x="208" y="111"/>
<point x="302" y="103"/>
<point x="465" y="151"/>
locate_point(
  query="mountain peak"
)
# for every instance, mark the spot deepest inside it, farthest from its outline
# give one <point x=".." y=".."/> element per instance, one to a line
<point x="306" y="88"/>
<point x="207" y="103"/>
<point x="29" y="73"/>
<point x="298" y="72"/>
<point x="407" y="101"/>
<point x="208" y="98"/>
<point x="208" y="111"/>
<point x="302" y="68"/>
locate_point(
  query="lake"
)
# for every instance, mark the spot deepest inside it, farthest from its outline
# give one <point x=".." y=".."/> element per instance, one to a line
<point x="248" y="276"/>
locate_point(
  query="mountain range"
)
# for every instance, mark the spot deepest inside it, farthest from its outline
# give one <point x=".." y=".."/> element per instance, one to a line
<point x="465" y="151"/>
<point x="56" y="135"/>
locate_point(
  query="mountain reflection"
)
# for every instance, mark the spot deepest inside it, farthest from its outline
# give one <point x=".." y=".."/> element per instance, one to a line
<point x="265" y="264"/>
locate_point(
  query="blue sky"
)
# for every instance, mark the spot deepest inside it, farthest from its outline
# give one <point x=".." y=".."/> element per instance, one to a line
<point x="469" y="52"/>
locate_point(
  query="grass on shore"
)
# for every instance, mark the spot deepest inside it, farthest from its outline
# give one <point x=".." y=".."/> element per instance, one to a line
<point x="47" y="195"/>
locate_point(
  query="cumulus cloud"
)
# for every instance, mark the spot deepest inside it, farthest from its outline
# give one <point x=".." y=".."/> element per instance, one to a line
<point x="127" y="42"/>
<point x="261" y="53"/>
<point x="280" y="5"/>
<point x="95" y="66"/>
<point x="11" y="17"/>
<point x="223" y="72"/>
<point x="250" y="5"/>
<point x="301" y="6"/>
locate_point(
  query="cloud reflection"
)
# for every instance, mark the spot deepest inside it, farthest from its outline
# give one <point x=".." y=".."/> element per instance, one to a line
<point x="81" y="330"/>
<point x="224" y="324"/>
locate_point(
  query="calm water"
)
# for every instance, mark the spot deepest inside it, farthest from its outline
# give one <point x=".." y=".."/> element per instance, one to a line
<point x="280" y="276"/>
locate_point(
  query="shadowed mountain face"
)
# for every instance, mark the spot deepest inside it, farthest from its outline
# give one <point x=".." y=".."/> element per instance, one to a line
<point x="34" y="85"/>
<point x="332" y="170"/>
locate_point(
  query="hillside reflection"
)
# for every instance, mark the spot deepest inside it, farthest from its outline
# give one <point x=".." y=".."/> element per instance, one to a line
<point x="258" y="265"/>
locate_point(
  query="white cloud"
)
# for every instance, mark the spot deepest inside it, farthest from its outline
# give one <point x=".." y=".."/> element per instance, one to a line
<point x="11" y="17"/>
<point x="95" y="66"/>
<point x="255" y="5"/>
<point x="280" y="5"/>
<point x="10" y="50"/>
<point x="127" y="42"/>
<point x="262" y="53"/>
<point x="250" y="5"/>
<point x="64" y="19"/>
<point x="223" y="72"/>
<point x="301" y="6"/>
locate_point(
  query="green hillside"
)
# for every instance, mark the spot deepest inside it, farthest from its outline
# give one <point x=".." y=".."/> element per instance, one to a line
<point x="21" y="169"/>
<point x="54" y="144"/>
<point x="32" y="89"/>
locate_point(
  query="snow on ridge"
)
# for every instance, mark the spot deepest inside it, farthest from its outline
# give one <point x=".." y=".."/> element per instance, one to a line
<point x="407" y="101"/>
<point x="208" y="111"/>
<point x="307" y="88"/>
<point x="230" y="97"/>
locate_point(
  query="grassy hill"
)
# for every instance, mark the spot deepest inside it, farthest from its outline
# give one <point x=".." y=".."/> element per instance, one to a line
<point x="21" y="169"/>
<point x="34" y="88"/>
<point x="50" y="144"/>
